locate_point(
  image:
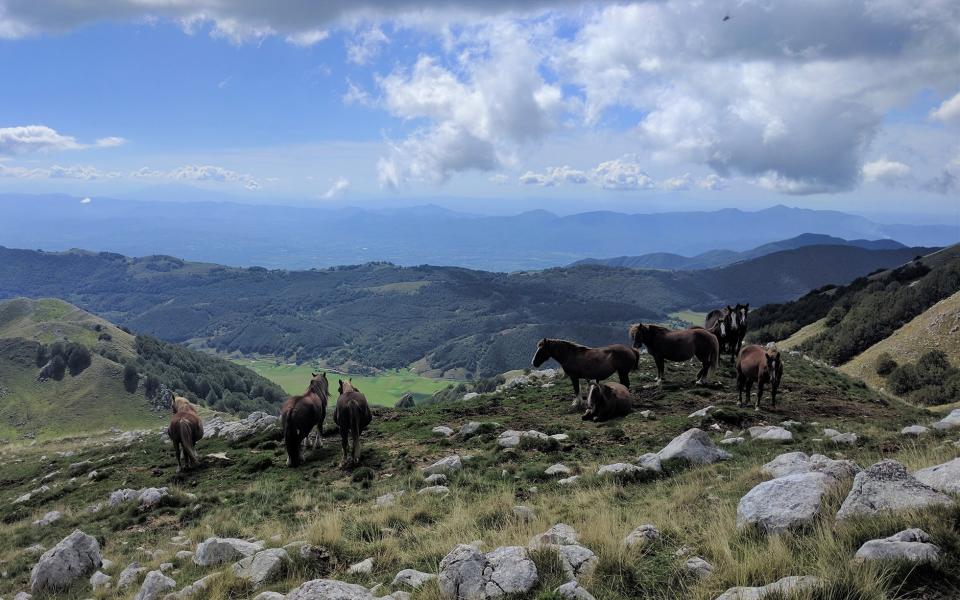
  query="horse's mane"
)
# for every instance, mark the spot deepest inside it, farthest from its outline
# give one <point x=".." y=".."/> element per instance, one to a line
<point x="634" y="329"/>
<point x="180" y="403"/>
<point x="658" y="328"/>
<point x="568" y="343"/>
<point x="773" y="352"/>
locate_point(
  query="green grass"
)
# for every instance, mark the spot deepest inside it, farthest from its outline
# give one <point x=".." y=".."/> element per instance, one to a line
<point x="383" y="390"/>
<point x="689" y="316"/>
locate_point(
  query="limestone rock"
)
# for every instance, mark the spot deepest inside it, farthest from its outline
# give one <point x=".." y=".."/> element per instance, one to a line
<point x="216" y="551"/>
<point x="47" y="519"/>
<point x="887" y="486"/>
<point x="787" y="585"/>
<point x="559" y="534"/>
<point x="944" y="478"/>
<point x="573" y="591"/>
<point x="524" y="513"/>
<point x="129" y="575"/>
<point x="445" y="465"/>
<point x="785" y="502"/>
<point x="557" y="469"/>
<point x="950" y="421"/>
<point x="413" y="578"/>
<point x="792" y="463"/>
<point x="914" y="430"/>
<point x="364" y="567"/>
<point x="434" y="490"/>
<point x="263" y="567"/>
<point x="770" y="433"/>
<point x="329" y="589"/>
<point x="100" y="580"/>
<point x="154" y="585"/>
<point x="74" y="557"/>
<point x="436" y="479"/>
<point x="641" y="535"/>
<point x="910" y="545"/>
<point x="698" y="567"/>
<point x="442" y="431"/>
<point x="693" y="446"/>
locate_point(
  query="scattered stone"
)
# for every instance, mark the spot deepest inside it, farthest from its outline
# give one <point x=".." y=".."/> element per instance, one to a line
<point x="785" y="502"/>
<point x="770" y="433"/>
<point x="511" y="438"/>
<point x="702" y="413"/>
<point x="47" y="519"/>
<point x="216" y="551"/>
<point x="732" y="441"/>
<point x="436" y="479"/>
<point x="167" y="566"/>
<point x="887" y="486"/>
<point x="100" y="580"/>
<point x="650" y="461"/>
<point x="698" y="567"/>
<point x="262" y="567"/>
<point x="790" y="424"/>
<point x="43" y="489"/>
<point x="785" y="586"/>
<point x="558" y="469"/>
<point x="51" y="475"/>
<point x="693" y="446"/>
<point x="468" y="573"/>
<point x="950" y="421"/>
<point x="469" y="429"/>
<point x="269" y="596"/>
<point x="254" y="423"/>
<point x="445" y="465"/>
<point x="620" y="470"/>
<point x="76" y="556"/>
<point x="792" y="463"/>
<point x="578" y="561"/>
<point x="641" y="535"/>
<point x="150" y="497"/>
<point x="388" y="499"/>
<point x="434" y="490"/>
<point x="524" y="513"/>
<point x="560" y="437"/>
<point x="155" y="584"/>
<point x="329" y="589"/>
<point x="568" y="480"/>
<point x="443" y="431"/>
<point x="120" y="496"/>
<point x="34" y="550"/>
<point x="849" y="439"/>
<point x="558" y="535"/>
<point x="413" y="578"/>
<point x="77" y="468"/>
<point x="910" y="545"/>
<point x="573" y="591"/>
<point x="469" y="396"/>
<point x="23" y="596"/>
<point x="914" y="430"/>
<point x="184" y="555"/>
<point x="646" y="414"/>
<point x="129" y="575"/>
<point x="364" y="567"/>
<point x="943" y="478"/>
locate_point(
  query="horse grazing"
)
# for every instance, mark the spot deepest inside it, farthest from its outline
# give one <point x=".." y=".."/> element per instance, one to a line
<point x="763" y="365"/>
<point x="677" y="346"/>
<point x="607" y="401"/>
<point x="185" y="430"/>
<point x="720" y="322"/>
<point x="740" y="312"/>
<point x="300" y="414"/>
<point x="352" y="415"/>
<point x="580" y="362"/>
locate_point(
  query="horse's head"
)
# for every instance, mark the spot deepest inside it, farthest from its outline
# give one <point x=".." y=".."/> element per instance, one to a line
<point x="347" y="386"/>
<point x="774" y="365"/>
<point x="179" y="403"/>
<point x="319" y="385"/>
<point x="594" y="396"/>
<point x="636" y="334"/>
<point x="742" y="310"/>
<point x="543" y="352"/>
<point x="729" y="320"/>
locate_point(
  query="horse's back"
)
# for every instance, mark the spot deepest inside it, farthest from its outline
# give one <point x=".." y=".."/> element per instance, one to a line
<point x="352" y="405"/>
<point x="752" y="360"/>
<point x="189" y="417"/>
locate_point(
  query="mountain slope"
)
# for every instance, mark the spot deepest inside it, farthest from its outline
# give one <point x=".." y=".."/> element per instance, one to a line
<point x="444" y="319"/>
<point x="719" y="258"/>
<point x="87" y="398"/>
<point x="304" y="238"/>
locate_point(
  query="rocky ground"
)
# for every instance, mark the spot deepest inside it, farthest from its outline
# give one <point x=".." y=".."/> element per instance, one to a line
<point x="835" y="493"/>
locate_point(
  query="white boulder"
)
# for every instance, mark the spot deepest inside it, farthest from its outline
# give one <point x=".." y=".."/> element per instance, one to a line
<point x="74" y="557"/>
<point x="887" y="486"/>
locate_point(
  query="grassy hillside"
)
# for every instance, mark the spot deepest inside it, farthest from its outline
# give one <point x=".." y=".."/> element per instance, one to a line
<point x="447" y="321"/>
<point x="254" y="495"/>
<point x="98" y="396"/>
<point x="383" y="389"/>
<point x="938" y="328"/>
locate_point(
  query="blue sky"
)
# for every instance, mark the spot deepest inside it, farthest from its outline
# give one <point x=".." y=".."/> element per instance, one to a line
<point x="565" y="106"/>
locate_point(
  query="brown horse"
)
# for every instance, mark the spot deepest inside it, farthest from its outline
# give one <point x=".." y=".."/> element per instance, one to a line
<point x="607" y="401"/>
<point x="677" y="346"/>
<point x="739" y="325"/>
<point x="762" y="365"/>
<point x="580" y="362"/>
<point x="352" y="415"/>
<point x="300" y="414"/>
<point x="185" y="430"/>
<point x="720" y="322"/>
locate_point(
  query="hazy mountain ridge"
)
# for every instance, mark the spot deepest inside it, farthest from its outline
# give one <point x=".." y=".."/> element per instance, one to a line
<point x="384" y="316"/>
<point x="299" y="238"/>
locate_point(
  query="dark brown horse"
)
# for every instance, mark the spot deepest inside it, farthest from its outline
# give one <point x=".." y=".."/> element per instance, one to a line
<point x="607" y="401"/>
<point x="300" y="414"/>
<point x="580" y="362"/>
<point x="185" y="430"/>
<point x="352" y="415"/>
<point x="720" y="322"/>
<point x="761" y="365"/>
<point x="677" y="346"/>
<point x="739" y="325"/>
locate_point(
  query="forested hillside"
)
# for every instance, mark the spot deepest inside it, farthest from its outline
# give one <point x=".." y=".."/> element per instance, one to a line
<point x="384" y="316"/>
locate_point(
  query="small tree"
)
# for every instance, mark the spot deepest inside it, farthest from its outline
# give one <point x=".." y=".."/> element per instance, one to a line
<point x="885" y="364"/>
<point x="78" y="358"/>
<point x="130" y="378"/>
<point x="151" y="386"/>
<point x="58" y="367"/>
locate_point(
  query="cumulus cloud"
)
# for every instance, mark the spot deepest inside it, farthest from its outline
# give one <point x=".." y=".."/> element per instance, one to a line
<point x="679" y="183"/>
<point x="339" y="186"/>
<point x="308" y="38"/>
<point x="948" y="111"/>
<point x="712" y="182"/>
<point x="82" y="172"/>
<point x="204" y="173"/>
<point x="365" y="45"/>
<point x="40" y="138"/>
<point x="885" y="171"/>
<point x="356" y="95"/>
<point x="85" y="200"/>
<point x="622" y="174"/>
<point x="554" y="175"/>
<point x="944" y="183"/>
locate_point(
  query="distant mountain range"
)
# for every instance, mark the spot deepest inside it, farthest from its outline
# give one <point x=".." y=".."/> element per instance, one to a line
<point x="304" y="238"/>
<point x="439" y="320"/>
<point x="719" y="258"/>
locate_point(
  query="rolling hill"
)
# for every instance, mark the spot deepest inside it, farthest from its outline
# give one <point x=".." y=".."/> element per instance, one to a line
<point x="97" y="396"/>
<point x="719" y="258"/>
<point x="442" y="320"/>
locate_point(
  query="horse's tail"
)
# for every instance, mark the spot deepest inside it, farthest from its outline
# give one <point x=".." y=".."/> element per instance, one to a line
<point x="715" y="347"/>
<point x="636" y="358"/>
<point x="187" y="441"/>
<point x="355" y="422"/>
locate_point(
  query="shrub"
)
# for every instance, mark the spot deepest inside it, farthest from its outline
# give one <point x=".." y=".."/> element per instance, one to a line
<point x="57" y="367"/>
<point x="130" y="378"/>
<point x="78" y="358"/>
<point x="885" y="364"/>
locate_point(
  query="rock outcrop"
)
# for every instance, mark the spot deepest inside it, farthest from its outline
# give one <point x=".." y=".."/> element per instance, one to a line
<point x="75" y="557"/>
<point x="887" y="486"/>
<point x="693" y="446"/>
<point x="468" y="573"/>
<point x="910" y="545"/>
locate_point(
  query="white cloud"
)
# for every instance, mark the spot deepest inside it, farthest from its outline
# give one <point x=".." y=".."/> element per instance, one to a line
<point x="499" y="179"/>
<point x="199" y="173"/>
<point x="622" y="174"/>
<point x="885" y="171"/>
<point x="712" y="182"/>
<point x="356" y="95"/>
<point x="679" y="183"/>
<point x="85" y="200"/>
<point x="554" y="175"/>
<point x="948" y="111"/>
<point x="40" y="138"/>
<point x="339" y="186"/>
<point x="110" y="142"/>
<point x="366" y="45"/>
<point x="82" y="172"/>
<point x="308" y="38"/>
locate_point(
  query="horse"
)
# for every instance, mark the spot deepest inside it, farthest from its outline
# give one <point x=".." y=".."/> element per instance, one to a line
<point x="739" y="324"/>
<point x="607" y="401"/>
<point x="185" y="430"/>
<point x="300" y="414"/>
<point x="580" y="362"/>
<point x="677" y="346"/>
<point x="352" y="415"/>
<point x="720" y="322"/>
<point x="763" y="365"/>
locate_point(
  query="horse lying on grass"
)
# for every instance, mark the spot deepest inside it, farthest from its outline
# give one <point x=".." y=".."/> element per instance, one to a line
<point x="607" y="401"/>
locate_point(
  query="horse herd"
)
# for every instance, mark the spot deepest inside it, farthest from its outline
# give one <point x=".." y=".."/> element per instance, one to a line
<point x="723" y="330"/>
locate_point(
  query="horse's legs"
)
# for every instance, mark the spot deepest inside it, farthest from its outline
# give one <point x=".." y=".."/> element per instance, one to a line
<point x="176" y="450"/>
<point x="344" y="433"/>
<point x="740" y="382"/>
<point x="318" y="441"/>
<point x="702" y="373"/>
<point x="576" y="392"/>
<point x="624" y="378"/>
<point x="749" y="389"/>
<point x="759" y="393"/>
<point x="356" y="448"/>
<point x="659" y="361"/>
